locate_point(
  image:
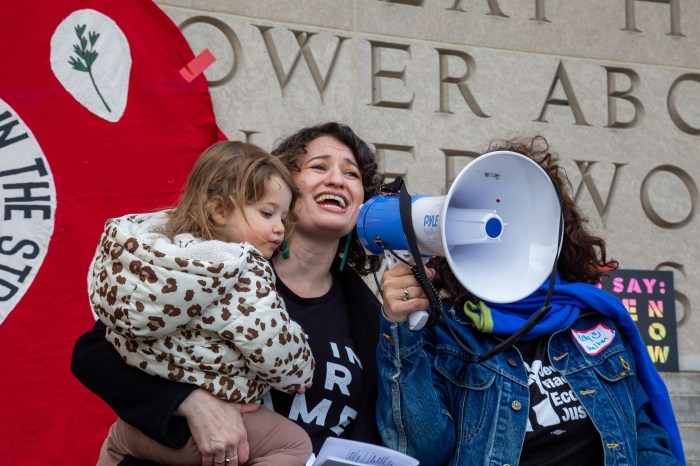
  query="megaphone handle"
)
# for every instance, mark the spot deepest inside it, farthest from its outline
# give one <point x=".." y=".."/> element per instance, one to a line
<point x="418" y="319"/>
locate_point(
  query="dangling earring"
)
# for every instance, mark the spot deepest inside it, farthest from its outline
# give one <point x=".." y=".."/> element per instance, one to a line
<point x="285" y="249"/>
<point x="345" y="252"/>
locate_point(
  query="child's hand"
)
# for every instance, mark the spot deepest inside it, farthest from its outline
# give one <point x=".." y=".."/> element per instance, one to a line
<point x="302" y="389"/>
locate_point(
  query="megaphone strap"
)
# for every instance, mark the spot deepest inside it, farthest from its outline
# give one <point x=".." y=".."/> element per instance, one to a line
<point x="505" y="344"/>
<point x="529" y="325"/>
<point x="418" y="268"/>
<point x="392" y="188"/>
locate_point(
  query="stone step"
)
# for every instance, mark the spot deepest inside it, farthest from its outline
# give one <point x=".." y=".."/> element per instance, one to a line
<point x="686" y="408"/>
<point x="683" y="383"/>
<point x="690" y="434"/>
<point x="684" y="388"/>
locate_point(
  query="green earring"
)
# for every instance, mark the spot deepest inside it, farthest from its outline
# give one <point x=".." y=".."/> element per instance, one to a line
<point x="345" y="252"/>
<point x="285" y="249"/>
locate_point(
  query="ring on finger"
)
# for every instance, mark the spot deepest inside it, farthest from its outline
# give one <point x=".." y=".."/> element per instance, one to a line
<point x="231" y="459"/>
<point x="405" y="295"/>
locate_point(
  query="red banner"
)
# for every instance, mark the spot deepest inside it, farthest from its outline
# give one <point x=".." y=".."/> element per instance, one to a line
<point x="96" y="121"/>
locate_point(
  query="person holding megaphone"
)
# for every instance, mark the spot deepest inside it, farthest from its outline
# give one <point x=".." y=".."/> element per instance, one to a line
<point x="559" y="376"/>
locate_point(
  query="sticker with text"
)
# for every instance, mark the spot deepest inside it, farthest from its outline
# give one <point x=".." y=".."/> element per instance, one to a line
<point x="594" y="340"/>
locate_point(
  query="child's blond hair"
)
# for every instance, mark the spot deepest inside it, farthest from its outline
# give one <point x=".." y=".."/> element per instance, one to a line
<point x="237" y="173"/>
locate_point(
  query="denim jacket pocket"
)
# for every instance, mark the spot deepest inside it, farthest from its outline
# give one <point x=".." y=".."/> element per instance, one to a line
<point x="617" y="374"/>
<point x="470" y="391"/>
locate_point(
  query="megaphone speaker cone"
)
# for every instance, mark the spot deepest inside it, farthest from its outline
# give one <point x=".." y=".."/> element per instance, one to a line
<point x="498" y="226"/>
<point x="526" y="206"/>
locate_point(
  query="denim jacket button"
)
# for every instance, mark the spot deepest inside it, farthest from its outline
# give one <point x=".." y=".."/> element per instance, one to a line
<point x="512" y="362"/>
<point x="516" y="405"/>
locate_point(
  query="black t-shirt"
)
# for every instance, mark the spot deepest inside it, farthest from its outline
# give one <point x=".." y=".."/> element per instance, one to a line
<point x="331" y="404"/>
<point x="559" y="430"/>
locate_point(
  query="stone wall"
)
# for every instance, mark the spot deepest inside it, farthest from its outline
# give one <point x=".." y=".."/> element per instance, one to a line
<point x="614" y="85"/>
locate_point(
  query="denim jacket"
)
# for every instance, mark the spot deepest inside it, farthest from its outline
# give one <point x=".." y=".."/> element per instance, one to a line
<point x="438" y="404"/>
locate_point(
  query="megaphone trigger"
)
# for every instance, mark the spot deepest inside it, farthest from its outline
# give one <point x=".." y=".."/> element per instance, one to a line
<point x="394" y="257"/>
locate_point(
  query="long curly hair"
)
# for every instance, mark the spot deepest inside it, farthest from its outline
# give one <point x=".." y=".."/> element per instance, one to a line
<point x="583" y="256"/>
<point x="291" y="148"/>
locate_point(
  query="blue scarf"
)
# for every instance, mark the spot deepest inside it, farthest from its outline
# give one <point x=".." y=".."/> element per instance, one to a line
<point x="568" y="299"/>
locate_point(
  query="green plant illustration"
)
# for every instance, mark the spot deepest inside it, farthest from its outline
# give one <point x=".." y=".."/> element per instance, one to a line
<point x="86" y="57"/>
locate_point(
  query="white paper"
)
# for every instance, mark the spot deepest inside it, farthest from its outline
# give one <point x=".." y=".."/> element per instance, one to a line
<point x="342" y="452"/>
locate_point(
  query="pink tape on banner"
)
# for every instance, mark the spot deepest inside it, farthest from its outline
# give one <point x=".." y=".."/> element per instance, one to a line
<point x="197" y="66"/>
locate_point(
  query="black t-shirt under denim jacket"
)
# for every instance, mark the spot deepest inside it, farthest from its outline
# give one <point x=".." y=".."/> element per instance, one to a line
<point x="559" y="431"/>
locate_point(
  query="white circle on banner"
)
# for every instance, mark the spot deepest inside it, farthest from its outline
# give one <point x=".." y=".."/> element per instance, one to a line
<point x="91" y="58"/>
<point x="27" y="208"/>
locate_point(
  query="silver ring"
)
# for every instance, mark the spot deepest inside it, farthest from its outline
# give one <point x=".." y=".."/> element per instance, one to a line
<point x="405" y="295"/>
<point x="231" y="459"/>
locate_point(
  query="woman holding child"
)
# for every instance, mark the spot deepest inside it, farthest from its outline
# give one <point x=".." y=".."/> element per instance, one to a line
<point x="318" y="276"/>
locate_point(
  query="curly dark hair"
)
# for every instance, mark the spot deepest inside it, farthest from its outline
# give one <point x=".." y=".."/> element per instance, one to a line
<point x="291" y="148"/>
<point x="583" y="255"/>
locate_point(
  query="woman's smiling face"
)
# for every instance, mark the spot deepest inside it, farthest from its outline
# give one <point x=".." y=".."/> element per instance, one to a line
<point x="330" y="183"/>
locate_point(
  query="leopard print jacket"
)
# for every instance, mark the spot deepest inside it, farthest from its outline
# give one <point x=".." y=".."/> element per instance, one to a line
<point x="217" y="323"/>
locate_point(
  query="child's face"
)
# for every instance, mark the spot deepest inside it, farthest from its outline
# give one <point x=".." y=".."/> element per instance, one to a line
<point x="262" y="226"/>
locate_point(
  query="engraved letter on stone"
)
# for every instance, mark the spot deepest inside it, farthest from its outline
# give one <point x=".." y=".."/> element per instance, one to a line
<point x="570" y="100"/>
<point x="631" y="21"/>
<point x="672" y="105"/>
<point x="539" y="12"/>
<point x="688" y="183"/>
<point x="394" y="159"/>
<point x="233" y="43"/>
<point x="614" y="93"/>
<point x="446" y="80"/>
<point x="406" y="2"/>
<point x="494" y="8"/>
<point x="588" y="180"/>
<point x="303" y="39"/>
<point x="378" y="73"/>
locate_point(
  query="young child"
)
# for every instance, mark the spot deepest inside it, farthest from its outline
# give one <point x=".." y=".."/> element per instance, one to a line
<point x="187" y="294"/>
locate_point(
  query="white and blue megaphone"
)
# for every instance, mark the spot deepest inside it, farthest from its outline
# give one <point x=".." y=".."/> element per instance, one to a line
<point x="498" y="227"/>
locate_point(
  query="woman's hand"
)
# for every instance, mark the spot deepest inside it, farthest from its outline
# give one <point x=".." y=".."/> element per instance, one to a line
<point x="403" y="294"/>
<point x="217" y="427"/>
